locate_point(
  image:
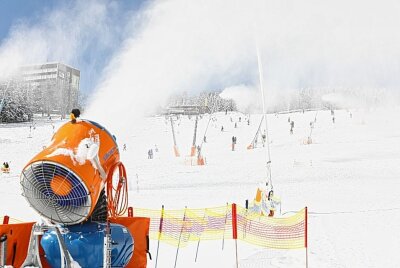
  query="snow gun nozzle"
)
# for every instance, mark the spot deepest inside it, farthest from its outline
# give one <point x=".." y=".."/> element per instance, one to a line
<point x="64" y="181"/>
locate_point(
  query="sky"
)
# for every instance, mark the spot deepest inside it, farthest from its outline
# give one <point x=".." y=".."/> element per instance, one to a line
<point x="137" y="53"/>
<point x="13" y="10"/>
<point x="33" y="17"/>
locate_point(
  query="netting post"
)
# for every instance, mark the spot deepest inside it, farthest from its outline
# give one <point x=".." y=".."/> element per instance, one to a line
<point x="198" y="243"/>
<point x="180" y="235"/>
<point x="226" y="217"/>
<point x="6" y="219"/>
<point x="245" y="223"/>
<point x="159" y="232"/>
<point x="234" y="231"/>
<point x="306" y="235"/>
<point x="130" y="212"/>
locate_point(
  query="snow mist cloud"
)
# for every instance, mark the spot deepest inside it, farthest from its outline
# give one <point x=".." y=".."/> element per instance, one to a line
<point x="71" y="34"/>
<point x="247" y="99"/>
<point x="180" y="47"/>
<point x="211" y="44"/>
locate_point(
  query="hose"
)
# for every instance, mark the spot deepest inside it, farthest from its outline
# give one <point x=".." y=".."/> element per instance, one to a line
<point x="117" y="197"/>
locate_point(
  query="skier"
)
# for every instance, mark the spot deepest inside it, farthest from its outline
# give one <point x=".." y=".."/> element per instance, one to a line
<point x="291" y="127"/>
<point x="124" y="147"/>
<point x="150" y="154"/>
<point x="271" y="203"/>
<point x="233" y="143"/>
<point x="222" y="128"/>
<point x="264" y="137"/>
<point x="264" y="202"/>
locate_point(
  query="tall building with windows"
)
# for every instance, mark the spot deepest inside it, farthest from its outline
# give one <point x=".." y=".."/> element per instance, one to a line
<point x="50" y="88"/>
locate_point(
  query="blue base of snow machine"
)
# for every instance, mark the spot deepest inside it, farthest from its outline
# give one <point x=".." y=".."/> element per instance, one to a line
<point x="85" y="243"/>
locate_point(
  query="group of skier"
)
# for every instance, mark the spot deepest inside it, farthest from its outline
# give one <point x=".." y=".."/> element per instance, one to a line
<point x="265" y="202"/>
<point x="150" y="152"/>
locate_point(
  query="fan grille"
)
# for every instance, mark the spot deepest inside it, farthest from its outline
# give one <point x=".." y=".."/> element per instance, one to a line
<point x="56" y="192"/>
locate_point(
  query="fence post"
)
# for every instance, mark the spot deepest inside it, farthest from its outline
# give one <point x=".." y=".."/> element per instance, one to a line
<point x="306" y="235"/>
<point x="130" y="212"/>
<point x="159" y="232"/>
<point x="245" y="223"/>
<point x="198" y="243"/>
<point x="180" y="235"/>
<point x="234" y="231"/>
<point x="226" y="217"/>
<point x="6" y="219"/>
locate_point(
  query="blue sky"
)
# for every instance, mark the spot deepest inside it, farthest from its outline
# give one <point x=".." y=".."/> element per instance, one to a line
<point x="33" y="14"/>
<point x="11" y="11"/>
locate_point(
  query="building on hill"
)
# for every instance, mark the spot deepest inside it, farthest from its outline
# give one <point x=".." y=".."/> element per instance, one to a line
<point x="186" y="110"/>
<point x="50" y="88"/>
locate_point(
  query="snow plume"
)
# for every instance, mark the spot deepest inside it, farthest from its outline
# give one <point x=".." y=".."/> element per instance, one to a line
<point x="247" y="98"/>
<point x="70" y="34"/>
<point x="365" y="98"/>
<point x="211" y="44"/>
<point x="180" y="47"/>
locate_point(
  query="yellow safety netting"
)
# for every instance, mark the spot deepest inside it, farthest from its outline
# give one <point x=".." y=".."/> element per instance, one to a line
<point x="179" y="227"/>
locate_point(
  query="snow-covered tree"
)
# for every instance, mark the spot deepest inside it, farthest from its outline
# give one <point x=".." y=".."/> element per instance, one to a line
<point x="14" y="104"/>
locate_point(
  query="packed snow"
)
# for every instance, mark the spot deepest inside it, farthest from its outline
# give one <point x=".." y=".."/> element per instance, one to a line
<point x="348" y="177"/>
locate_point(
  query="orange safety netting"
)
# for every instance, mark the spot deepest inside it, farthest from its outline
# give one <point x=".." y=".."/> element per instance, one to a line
<point x="179" y="227"/>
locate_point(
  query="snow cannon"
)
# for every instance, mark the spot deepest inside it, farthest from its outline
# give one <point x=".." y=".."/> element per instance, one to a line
<point x="64" y="181"/>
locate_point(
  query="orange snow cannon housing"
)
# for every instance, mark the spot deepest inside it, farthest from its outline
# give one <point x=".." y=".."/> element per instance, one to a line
<point x="63" y="181"/>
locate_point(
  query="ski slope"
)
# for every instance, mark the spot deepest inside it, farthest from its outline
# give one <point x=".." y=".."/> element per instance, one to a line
<point x="349" y="179"/>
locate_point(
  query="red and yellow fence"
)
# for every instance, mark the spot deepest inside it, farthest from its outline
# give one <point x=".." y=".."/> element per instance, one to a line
<point x="180" y="227"/>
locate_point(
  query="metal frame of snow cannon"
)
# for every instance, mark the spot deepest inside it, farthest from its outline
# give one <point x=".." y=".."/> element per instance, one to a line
<point x="33" y="258"/>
